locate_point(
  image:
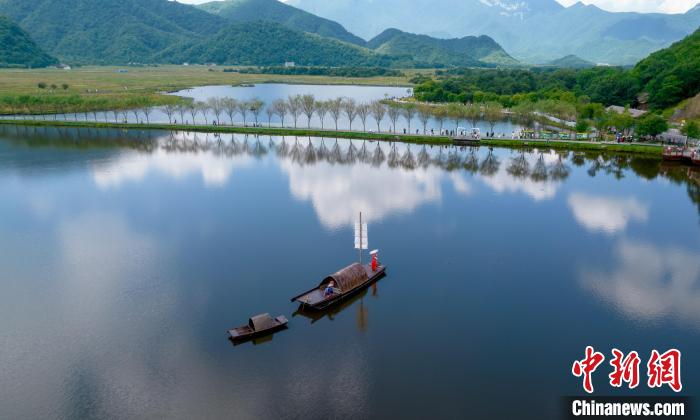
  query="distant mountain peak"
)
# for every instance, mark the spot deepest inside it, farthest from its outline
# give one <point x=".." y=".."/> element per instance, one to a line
<point x="520" y="7"/>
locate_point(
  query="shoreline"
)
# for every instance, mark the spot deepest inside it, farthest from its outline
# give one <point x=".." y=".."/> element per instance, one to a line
<point x="651" y="150"/>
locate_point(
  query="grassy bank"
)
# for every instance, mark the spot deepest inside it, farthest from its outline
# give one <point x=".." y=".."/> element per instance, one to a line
<point x="649" y="150"/>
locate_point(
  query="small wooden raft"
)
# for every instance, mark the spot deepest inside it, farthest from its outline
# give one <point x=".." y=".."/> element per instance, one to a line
<point x="258" y="326"/>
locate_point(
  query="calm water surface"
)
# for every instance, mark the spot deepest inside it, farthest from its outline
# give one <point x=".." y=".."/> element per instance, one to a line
<point x="126" y="255"/>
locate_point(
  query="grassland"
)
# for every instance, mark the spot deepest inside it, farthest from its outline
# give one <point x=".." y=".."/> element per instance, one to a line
<point x="107" y="88"/>
<point x="648" y="150"/>
<point x="145" y="80"/>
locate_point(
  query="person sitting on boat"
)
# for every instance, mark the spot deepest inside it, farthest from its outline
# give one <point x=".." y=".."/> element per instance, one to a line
<point x="329" y="289"/>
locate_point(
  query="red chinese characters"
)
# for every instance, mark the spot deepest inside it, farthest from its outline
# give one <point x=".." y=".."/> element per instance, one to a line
<point x="662" y="369"/>
<point x="626" y="369"/>
<point x="587" y="366"/>
<point x="665" y="369"/>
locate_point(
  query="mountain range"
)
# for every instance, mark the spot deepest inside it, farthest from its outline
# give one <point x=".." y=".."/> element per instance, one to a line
<point x="535" y="31"/>
<point x="462" y="33"/>
<point x="17" y="49"/>
<point x="243" y="32"/>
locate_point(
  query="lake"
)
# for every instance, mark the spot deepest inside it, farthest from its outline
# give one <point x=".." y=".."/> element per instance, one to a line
<point x="270" y="92"/>
<point x="126" y="255"/>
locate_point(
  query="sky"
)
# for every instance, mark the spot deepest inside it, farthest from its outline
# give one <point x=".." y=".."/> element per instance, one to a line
<point x="645" y="6"/>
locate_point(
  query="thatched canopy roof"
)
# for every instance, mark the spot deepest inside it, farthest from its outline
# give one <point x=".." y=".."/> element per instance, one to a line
<point x="347" y="278"/>
<point x="261" y="322"/>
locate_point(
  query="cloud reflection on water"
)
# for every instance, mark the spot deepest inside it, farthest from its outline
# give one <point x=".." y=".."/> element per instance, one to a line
<point x="215" y="169"/>
<point x="529" y="174"/>
<point x="607" y="214"/>
<point x="649" y="282"/>
<point x="339" y="192"/>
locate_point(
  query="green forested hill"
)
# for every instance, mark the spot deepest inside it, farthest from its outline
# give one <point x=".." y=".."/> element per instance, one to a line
<point x="275" y="11"/>
<point x="109" y="31"/>
<point x="462" y="52"/>
<point x="267" y="43"/>
<point x="672" y="74"/>
<point x="18" y="50"/>
<point x="157" y="31"/>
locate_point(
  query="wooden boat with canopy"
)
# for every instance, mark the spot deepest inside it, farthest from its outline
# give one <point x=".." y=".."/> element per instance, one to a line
<point x="673" y="153"/>
<point x="258" y="326"/>
<point x="345" y="283"/>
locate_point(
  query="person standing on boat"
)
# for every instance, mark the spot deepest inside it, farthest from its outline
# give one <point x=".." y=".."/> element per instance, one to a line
<point x="329" y="289"/>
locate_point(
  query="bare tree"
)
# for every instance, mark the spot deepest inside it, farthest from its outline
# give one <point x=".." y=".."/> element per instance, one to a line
<point x="440" y="115"/>
<point x="456" y="113"/>
<point x="169" y="111"/>
<point x="378" y="113"/>
<point x="256" y="107"/>
<point x="217" y="107"/>
<point x="280" y="108"/>
<point x="409" y="111"/>
<point x="146" y="110"/>
<point x="243" y="110"/>
<point x="424" y="114"/>
<point x="181" y="109"/>
<point x="294" y="107"/>
<point x="193" y="110"/>
<point x="335" y="107"/>
<point x="493" y="112"/>
<point x="136" y="113"/>
<point x="322" y="111"/>
<point x="394" y="111"/>
<point x="472" y="112"/>
<point x="350" y="109"/>
<point x="230" y="107"/>
<point x="308" y="103"/>
<point x="269" y="111"/>
<point x="363" y="111"/>
<point x="204" y="109"/>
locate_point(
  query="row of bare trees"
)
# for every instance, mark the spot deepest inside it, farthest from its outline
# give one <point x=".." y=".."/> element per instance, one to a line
<point x="305" y="107"/>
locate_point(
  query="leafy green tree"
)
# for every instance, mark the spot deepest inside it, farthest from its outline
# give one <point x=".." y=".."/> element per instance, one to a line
<point x="691" y="130"/>
<point x="651" y="125"/>
<point x="582" y="125"/>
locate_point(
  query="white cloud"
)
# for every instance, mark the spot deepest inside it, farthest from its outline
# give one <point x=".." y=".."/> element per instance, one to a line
<point x="645" y="6"/>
